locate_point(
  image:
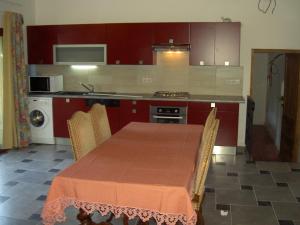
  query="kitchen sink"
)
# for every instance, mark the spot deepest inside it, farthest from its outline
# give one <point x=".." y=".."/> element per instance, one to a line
<point x="99" y="93"/>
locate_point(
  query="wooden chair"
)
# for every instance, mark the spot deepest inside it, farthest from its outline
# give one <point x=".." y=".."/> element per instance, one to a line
<point x="81" y="134"/>
<point x="100" y="123"/>
<point x="202" y="169"/>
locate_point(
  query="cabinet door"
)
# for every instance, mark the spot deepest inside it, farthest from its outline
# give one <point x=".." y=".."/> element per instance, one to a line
<point x="228" y="113"/>
<point x="40" y="41"/>
<point x="198" y="112"/>
<point x="179" y="32"/>
<point x="227" y="45"/>
<point x="63" y="109"/>
<point x="132" y="110"/>
<point x="129" y="44"/>
<point x="113" y="114"/>
<point x="202" y="44"/>
<point x="81" y="34"/>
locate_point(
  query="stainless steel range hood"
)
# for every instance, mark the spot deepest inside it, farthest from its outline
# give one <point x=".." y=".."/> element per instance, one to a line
<point x="171" y="46"/>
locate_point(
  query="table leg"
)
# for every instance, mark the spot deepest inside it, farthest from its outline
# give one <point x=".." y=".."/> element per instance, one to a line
<point x="84" y="218"/>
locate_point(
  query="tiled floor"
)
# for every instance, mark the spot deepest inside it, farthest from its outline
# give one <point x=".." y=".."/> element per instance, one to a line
<point x="239" y="192"/>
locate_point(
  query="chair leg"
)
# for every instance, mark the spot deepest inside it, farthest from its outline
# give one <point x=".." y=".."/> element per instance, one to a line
<point x="110" y="218"/>
<point x="84" y="218"/>
<point x="125" y="220"/>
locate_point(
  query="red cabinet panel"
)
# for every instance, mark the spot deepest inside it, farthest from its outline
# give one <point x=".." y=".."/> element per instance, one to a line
<point x="228" y="113"/>
<point x="132" y="110"/>
<point x="202" y="44"/>
<point x="227" y="44"/>
<point x="113" y="114"/>
<point x="40" y="40"/>
<point x="198" y="112"/>
<point x="81" y="34"/>
<point x="63" y="109"/>
<point x="129" y="43"/>
<point x="179" y="32"/>
<point x="1" y="32"/>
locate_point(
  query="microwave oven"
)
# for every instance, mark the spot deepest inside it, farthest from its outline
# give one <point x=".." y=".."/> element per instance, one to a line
<point x="46" y="83"/>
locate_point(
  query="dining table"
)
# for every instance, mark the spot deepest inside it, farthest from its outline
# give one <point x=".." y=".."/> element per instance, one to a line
<point x="145" y="171"/>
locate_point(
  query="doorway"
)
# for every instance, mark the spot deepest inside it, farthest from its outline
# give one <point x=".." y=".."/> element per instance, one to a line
<point x="268" y="82"/>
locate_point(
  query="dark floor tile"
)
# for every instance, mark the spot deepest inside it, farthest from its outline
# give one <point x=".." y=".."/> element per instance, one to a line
<point x="298" y="199"/>
<point x="246" y="187"/>
<point x="274" y="194"/>
<point x="264" y="203"/>
<point x="62" y="151"/>
<point x="235" y="197"/>
<point x="32" y="152"/>
<point x="27" y="160"/>
<point x="210" y="190"/>
<point x="3" y="198"/>
<point x="42" y="198"/>
<point x="264" y="172"/>
<point x="282" y="185"/>
<point x="249" y="215"/>
<point x="295" y="170"/>
<point x="54" y="170"/>
<point x="250" y="162"/>
<point x="35" y="217"/>
<point x="11" y="183"/>
<point x="223" y="207"/>
<point x="287" y="211"/>
<point x="20" y="171"/>
<point x="231" y="174"/>
<point x="48" y="182"/>
<point x="285" y="222"/>
<point x="58" y="160"/>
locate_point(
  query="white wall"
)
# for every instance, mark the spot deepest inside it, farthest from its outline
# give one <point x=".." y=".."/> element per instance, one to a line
<point x="259" y="86"/>
<point x="277" y="31"/>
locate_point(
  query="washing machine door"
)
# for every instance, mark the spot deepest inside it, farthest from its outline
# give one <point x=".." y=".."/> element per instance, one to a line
<point x="38" y="118"/>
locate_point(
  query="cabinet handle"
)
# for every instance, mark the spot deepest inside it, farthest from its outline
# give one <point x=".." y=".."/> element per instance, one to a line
<point x="141" y="62"/>
<point x="226" y="63"/>
<point x="133" y="102"/>
<point x="118" y="61"/>
<point x="133" y="111"/>
<point x="168" y="117"/>
<point x="201" y="63"/>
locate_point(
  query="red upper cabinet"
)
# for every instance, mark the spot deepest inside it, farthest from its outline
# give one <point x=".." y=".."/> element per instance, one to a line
<point x="227" y="43"/>
<point x="179" y="32"/>
<point x="202" y="44"/>
<point x="40" y="41"/>
<point x="129" y="43"/>
<point x="81" y="34"/>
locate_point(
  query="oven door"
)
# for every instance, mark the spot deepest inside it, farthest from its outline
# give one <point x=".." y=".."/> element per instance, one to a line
<point x="168" y="114"/>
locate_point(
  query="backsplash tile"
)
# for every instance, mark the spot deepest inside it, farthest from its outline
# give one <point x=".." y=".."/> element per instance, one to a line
<point x="170" y="76"/>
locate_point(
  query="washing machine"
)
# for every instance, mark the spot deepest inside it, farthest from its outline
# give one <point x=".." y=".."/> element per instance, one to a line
<point x="41" y="120"/>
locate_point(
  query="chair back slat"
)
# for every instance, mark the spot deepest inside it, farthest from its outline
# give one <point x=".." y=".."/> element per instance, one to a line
<point x="81" y="134"/>
<point x="100" y="123"/>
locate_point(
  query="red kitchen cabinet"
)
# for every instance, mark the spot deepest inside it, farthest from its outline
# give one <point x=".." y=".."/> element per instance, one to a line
<point x="40" y="40"/>
<point x="227" y="43"/>
<point x="202" y="44"/>
<point x="81" y="34"/>
<point x="228" y="113"/>
<point x="132" y="110"/>
<point x="129" y="43"/>
<point x="63" y="109"/>
<point x="198" y="112"/>
<point x="113" y="114"/>
<point x="179" y="32"/>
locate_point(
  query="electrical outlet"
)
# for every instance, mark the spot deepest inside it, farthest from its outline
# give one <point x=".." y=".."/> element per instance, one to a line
<point x="147" y="80"/>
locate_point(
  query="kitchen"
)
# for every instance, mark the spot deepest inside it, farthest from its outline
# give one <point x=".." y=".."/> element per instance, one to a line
<point x="257" y="31"/>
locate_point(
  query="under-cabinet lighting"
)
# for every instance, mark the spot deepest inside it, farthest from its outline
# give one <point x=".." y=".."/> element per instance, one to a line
<point x="84" y="67"/>
<point x="1" y="55"/>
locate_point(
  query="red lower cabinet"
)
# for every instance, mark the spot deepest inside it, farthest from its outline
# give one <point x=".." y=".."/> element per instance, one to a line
<point x="113" y="114"/>
<point x="227" y="113"/>
<point x="132" y="110"/>
<point x="63" y="109"/>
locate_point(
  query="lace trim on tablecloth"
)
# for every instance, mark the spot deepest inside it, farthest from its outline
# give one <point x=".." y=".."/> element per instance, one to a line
<point x="54" y="212"/>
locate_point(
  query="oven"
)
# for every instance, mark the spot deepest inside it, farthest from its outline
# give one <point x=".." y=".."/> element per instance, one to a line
<point x="168" y="114"/>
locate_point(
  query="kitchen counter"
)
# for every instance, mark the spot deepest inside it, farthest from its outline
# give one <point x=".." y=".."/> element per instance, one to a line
<point x="142" y="96"/>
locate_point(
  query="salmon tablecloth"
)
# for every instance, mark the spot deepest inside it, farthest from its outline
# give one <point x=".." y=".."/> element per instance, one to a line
<point x="144" y="170"/>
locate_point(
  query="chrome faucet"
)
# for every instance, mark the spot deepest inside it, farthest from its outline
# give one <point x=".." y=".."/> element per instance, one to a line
<point x="89" y="87"/>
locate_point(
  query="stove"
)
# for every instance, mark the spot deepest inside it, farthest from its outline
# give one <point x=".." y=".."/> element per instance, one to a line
<point x="171" y="94"/>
